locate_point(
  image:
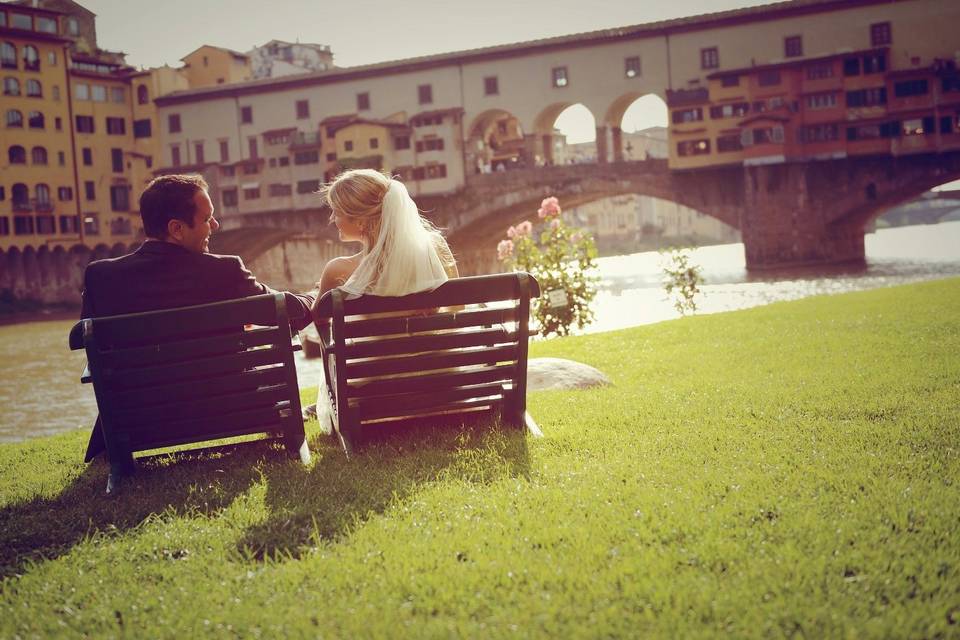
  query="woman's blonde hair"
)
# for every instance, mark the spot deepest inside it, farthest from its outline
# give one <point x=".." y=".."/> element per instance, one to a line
<point x="359" y="193"/>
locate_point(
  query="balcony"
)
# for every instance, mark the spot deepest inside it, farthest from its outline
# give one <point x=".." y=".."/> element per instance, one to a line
<point x="44" y="206"/>
<point x="305" y="140"/>
<point x="22" y="206"/>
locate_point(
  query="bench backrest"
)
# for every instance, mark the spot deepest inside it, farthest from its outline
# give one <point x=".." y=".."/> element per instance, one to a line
<point x="178" y="376"/>
<point x="389" y="359"/>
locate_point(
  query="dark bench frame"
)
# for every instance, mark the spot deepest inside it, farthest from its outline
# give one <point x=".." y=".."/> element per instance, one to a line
<point x="473" y="361"/>
<point x="193" y="374"/>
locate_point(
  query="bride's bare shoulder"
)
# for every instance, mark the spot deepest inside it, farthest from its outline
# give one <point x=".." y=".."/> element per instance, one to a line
<point x="337" y="271"/>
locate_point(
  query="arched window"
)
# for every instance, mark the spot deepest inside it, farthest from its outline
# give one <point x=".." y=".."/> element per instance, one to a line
<point x="43" y="195"/>
<point x="35" y="120"/>
<point x="31" y="59"/>
<point x="17" y="155"/>
<point x="38" y="155"/>
<point x="11" y="87"/>
<point x="143" y="97"/>
<point x="21" y="196"/>
<point x="14" y="118"/>
<point x="34" y="89"/>
<point x="8" y="55"/>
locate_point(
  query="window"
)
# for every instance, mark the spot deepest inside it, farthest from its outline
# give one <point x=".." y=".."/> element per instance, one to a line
<point x="228" y="171"/>
<point x="198" y="152"/>
<point x="303" y="109"/>
<point x="694" y="114"/>
<point x="8" y="55"/>
<point x="822" y="100"/>
<point x="4" y="226"/>
<point x="279" y="190"/>
<point x="175" y="155"/>
<point x="874" y="131"/>
<point x="17" y="155"/>
<point x="250" y="168"/>
<point x="120" y="198"/>
<point x="14" y="118"/>
<point x="252" y="147"/>
<point x="911" y="88"/>
<point x="709" y="59"/>
<point x="46" y="25"/>
<point x="284" y="161"/>
<point x="70" y="224"/>
<point x="730" y="81"/>
<point x="65" y="194"/>
<point x="729" y="143"/>
<point x="363" y="101"/>
<point x="867" y="97"/>
<point x="851" y="67"/>
<point x="31" y="59"/>
<point x="306" y="157"/>
<point x="880" y="34"/>
<point x="34" y="90"/>
<point x="491" y="86"/>
<point x="768" y="78"/>
<point x="98" y="93"/>
<point x="919" y="126"/>
<point x="61" y="158"/>
<point x="874" y="63"/>
<point x="116" y="160"/>
<point x="3" y="194"/>
<point x="559" y="77"/>
<point x="116" y="126"/>
<point x="693" y="147"/>
<point x="436" y="171"/>
<point x="87" y="154"/>
<point x="20" y="196"/>
<point x="819" y="133"/>
<point x="118" y="95"/>
<point x="251" y="193"/>
<point x="173" y="123"/>
<point x="43" y="197"/>
<point x="246" y="116"/>
<point x="82" y="91"/>
<point x="11" y="87"/>
<point x="38" y="155"/>
<point x="430" y="144"/>
<point x="820" y="71"/>
<point x="55" y="93"/>
<point x="425" y="94"/>
<point x="374" y="143"/>
<point x="21" y="21"/>
<point x="793" y="46"/>
<point x="401" y="142"/>
<point x="631" y="66"/>
<point x="331" y="157"/>
<point x="308" y="186"/>
<point x="348" y="145"/>
<point x="142" y="128"/>
<point x="89" y="190"/>
<point x="73" y="26"/>
<point x="36" y="121"/>
<point x="52" y="58"/>
<point x="229" y="197"/>
<point x="22" y="225"/>
<point x="143" y="95"/>
<point x="91" y="225"/>
<point x="733" y="110"/>
<point x="58" y="123"/>
<point x="224" y="151"/>
<point x="46" y="224"/>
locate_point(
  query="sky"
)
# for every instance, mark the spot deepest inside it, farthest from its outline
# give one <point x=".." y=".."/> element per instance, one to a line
<point x="153" y="32"/>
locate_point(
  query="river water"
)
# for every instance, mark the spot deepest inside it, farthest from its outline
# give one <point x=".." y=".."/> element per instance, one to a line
<point x="41" y="393"/>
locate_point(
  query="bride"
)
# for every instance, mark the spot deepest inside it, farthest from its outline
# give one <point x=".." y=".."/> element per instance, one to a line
<point x="401" y="251"/>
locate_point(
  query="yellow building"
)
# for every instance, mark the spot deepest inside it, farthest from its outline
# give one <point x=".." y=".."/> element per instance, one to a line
<point x="209" y="65"/>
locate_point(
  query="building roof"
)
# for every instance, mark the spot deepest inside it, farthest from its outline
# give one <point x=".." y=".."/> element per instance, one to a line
<point x="795" y="62"/>
<point x="774" y="11"/>
<point x="235" y="54"/>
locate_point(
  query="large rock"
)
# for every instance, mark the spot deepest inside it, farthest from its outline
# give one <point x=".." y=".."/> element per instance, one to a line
<point x="557" y="373"/>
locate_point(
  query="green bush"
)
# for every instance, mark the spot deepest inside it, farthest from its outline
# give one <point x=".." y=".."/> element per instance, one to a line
<point x="682" y="279"/>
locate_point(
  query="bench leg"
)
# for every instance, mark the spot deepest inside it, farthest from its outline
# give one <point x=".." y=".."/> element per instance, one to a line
<point x="531" y="425"/>
<point x="120" y="467"/>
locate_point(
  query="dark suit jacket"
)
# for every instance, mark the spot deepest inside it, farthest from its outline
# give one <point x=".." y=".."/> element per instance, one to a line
<point x="161" y="275"/>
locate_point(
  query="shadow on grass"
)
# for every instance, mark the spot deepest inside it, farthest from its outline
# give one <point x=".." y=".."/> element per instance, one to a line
<point x="339" y="494"/>
<point x="306" y="506"/>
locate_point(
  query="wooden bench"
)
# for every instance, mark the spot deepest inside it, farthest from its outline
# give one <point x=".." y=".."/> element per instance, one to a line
<point x="193" y="374"/>
<point x="388" y="361"/>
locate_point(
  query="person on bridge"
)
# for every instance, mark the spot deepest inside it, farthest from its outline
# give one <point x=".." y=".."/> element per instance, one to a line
<point x="173" y="267"/>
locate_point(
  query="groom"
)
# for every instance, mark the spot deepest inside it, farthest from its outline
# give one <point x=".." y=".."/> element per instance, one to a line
<point x="173" y="267"/>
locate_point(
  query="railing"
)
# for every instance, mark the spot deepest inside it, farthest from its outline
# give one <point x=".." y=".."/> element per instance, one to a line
<point x="305" y="139"/>
<point x="21" y="206"/>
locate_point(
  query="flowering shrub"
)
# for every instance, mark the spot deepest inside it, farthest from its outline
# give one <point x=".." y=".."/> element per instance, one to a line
<point x="563" y="261"/>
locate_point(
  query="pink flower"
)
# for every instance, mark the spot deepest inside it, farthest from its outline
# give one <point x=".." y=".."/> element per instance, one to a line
<point x="549" y="208"/>
<point x="525" y="228"/>
<point x="504" y="249"/>
<point x="555" y="224"/>
<point x="576" y="237"/>
<point x="512" y="232"/>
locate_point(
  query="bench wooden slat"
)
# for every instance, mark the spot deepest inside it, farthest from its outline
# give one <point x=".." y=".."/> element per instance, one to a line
<point x="416" y="324"/>
<point x="261" y="420"/>
<point x="196" y="369"/>
<point x="433" y="342"/>
<point x="192" y="348"/>
<point x="159" y="395"/>
<point x="449" y="360"/>
<point x="437" y="381"/>
<point x="138" y="418"/>
<point x="435" y="410"/>
<point x="370" y="408"/>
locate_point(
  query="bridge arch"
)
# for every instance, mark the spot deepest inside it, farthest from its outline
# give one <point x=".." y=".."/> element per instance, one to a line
<point x="31" y="272"/>
<point x="636" y="112"/>
<point x="545" y="126"/>
<point x="44" y="266"/>
<point x="495" y="138"/>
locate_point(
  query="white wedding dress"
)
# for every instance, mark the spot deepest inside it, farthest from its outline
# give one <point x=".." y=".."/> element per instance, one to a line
<point x="403" y="260"/>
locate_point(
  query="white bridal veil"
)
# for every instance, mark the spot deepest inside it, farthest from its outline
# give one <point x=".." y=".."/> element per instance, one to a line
<point x="404" y="258"/>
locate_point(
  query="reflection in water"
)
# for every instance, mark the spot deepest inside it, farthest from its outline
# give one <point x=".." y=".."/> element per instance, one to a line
<point x="42" y="395"/>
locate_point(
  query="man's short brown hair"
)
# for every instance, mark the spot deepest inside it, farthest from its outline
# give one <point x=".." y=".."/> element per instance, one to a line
<point x="169" y="198"/>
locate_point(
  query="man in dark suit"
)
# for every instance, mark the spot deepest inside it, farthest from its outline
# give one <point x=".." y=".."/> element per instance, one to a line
<point x="173" y="267"/>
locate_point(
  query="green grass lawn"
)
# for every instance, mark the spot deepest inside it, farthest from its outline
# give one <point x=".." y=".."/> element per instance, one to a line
<point x="790" y="470"/>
